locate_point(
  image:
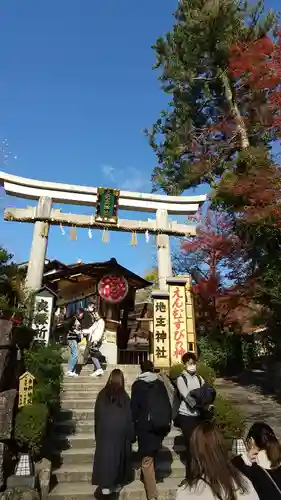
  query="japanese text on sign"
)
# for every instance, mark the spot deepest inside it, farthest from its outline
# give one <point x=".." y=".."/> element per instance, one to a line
<point x="42" y="317"/>
<point x="178" y="323"/>
<point x="26" y="382"/>
<point x="190" y="323"/>
<point x="161" y="342"/>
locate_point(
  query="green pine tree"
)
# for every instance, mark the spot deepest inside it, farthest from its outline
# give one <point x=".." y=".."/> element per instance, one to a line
<point x="196" y="139"/>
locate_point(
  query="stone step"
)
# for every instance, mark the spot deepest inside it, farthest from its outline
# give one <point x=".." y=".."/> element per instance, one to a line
<point x="71" y="426"/>
<point x="124" y="368"/>
<point x="83" y="440"/>
<point x="72" y="473"/>
<point x="76" y="413"/>
<point x="78" y="404"/>
<point x="133" y="491"/>
<point x="80" y="394"/>
<point x="98" y="382"/>
<point x="85" y="455"/>
<point x="74" y="426"/>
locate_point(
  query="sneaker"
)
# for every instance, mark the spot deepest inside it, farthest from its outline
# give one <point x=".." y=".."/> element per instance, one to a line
<point x="72" y="374"/>
<point x="106" y="491"/>
<point x="97" y="373"/>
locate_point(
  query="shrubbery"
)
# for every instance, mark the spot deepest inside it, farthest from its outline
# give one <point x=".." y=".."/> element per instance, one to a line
<point x="228" y="416"/>
<point x="231" y="353"/>
<point x="32" y="421"/>
<point x="30" y="427"/>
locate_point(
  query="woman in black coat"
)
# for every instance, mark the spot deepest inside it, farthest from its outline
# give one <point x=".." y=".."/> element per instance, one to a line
<point x="114" y="432"/>
<point x="262" y="462"/>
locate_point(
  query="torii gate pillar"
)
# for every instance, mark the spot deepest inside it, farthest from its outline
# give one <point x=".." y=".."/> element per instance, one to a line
<point x="163" y="250"/>
<point x="39" y="245"/>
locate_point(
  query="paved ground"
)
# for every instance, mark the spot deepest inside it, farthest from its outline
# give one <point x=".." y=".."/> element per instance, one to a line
<point x="254" y="404"/>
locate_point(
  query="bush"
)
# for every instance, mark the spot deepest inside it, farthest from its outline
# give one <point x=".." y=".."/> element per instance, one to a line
<point x="212" y="353"/>
<point x="224" y="354"/>
<point x="229" y="418"/>
<point x="206" y="372"/>
<point x="31" y="426"/>
<point x="45" y="364"/>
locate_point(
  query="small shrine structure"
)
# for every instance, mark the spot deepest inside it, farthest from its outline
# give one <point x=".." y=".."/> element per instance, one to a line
<point x="110" y="286"/>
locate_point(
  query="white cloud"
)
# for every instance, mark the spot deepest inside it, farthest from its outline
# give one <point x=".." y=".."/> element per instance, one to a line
<point x="129" y="179"/>
<point x="108" y="171"/>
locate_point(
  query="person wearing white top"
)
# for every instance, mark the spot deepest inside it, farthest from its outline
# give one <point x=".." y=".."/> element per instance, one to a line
<point x="211" y="475"/>
<point x="95" y="336"/>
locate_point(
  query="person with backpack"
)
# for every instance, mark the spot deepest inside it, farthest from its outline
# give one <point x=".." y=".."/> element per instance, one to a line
<point x="152" y="416"/>
<point x="195" y="398"/>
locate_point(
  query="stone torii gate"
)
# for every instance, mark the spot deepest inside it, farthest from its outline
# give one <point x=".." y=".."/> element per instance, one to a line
<point x="42" y="216"/>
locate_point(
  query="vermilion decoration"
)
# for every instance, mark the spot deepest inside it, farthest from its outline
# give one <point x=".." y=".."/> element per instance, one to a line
<point x="113" y="288"/>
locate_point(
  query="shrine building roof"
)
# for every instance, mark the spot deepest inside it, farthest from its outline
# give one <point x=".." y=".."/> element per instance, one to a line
<point x="55" y="271"/>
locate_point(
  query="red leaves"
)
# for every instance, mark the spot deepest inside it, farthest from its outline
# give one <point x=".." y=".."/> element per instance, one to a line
<point x="253" y="190"/>
<point x="256" y="67"/>
<point x="216" y="251"/>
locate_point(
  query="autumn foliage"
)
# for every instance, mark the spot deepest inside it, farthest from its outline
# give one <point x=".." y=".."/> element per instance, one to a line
<point x="216" y="263"/>
<point x="256" y="68"/>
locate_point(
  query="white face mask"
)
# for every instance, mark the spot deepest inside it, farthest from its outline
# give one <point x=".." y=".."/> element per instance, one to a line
<point x="191" y="368"/>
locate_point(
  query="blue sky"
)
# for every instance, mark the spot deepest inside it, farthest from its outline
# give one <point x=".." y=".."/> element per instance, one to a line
<point x="76" y="92"/>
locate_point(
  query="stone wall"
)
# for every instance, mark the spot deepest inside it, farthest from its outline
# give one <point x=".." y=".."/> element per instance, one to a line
<point x="8" y="394"/>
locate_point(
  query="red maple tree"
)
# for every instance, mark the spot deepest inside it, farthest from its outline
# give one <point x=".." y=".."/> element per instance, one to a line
<point x="215" y="259"/>
<point x="256" y="67"/>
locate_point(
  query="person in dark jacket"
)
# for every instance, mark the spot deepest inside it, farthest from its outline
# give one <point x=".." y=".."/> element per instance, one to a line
<point x="149" y="441"/>
<point x="262" y="461"/>
<point x="114" y="433"/>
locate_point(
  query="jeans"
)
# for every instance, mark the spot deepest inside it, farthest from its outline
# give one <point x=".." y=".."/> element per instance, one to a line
<point x="96" y="363"/>
<point x="72" y="362"/>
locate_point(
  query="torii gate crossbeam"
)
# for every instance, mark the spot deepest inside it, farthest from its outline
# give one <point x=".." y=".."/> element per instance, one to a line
<point x="47" y="193"/>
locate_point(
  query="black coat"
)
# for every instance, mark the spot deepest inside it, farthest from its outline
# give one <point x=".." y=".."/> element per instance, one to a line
<point x="114" y="432"/>
<point x="149" y="442"/>
<point x="259" y="479"/>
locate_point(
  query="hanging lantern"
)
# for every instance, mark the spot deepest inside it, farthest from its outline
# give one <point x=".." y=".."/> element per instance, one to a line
<point x="113" y="288"/>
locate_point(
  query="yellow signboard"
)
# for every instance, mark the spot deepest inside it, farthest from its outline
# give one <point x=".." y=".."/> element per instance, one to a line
<point x="190" y="320"/>
<point x="26" y="383"/>
<point x="178" y="333"/>
<point x="161" y="342"/>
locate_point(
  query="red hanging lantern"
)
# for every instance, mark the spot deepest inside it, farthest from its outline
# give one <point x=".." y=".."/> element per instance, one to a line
<point x="113" y="288"/>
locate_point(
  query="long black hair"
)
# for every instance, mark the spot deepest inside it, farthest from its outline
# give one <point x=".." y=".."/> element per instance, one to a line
<point x="115" y="388"/>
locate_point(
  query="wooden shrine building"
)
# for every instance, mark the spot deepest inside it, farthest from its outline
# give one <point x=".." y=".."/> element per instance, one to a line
<point x="113" y="288"/>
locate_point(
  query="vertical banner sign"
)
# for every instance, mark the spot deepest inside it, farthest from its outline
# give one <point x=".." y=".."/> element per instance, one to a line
<point x="190" y="320"/>
<point x="43" y="313"/>
<point x="107" y="205"/>
<point x="161" y="341"/>
<point x="178" y="333"/>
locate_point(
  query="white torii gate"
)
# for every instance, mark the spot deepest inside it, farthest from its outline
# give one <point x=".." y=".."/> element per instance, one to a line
<point x="43" y="215"/>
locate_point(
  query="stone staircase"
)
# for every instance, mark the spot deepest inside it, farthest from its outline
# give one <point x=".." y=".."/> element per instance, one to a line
<point x="73" y="445"/>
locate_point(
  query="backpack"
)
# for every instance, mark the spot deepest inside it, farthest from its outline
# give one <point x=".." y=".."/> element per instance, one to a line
<point x="159" y="409"/>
